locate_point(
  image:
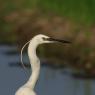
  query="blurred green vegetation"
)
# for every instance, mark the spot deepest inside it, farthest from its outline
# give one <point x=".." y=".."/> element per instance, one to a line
<point x="81" y="11"/>
<point x="78" y="10"/>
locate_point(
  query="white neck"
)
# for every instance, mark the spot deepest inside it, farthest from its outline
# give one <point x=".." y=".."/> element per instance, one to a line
<point x="35" y="64"/>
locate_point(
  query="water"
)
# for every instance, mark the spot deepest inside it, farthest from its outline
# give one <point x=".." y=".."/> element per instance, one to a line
<point x="51" y="81"/>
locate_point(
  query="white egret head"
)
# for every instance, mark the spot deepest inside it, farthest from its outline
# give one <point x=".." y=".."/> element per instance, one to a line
<point x="46" y="39"/>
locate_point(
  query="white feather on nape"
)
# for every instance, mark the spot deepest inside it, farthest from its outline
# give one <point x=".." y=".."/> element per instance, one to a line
<point x="21" y="52"/>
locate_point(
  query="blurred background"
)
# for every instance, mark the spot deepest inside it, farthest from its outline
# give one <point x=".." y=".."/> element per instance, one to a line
<point x="65" y="69"/>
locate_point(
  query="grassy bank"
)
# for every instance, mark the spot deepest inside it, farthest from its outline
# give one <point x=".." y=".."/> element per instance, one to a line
<point x="80" y="11"/>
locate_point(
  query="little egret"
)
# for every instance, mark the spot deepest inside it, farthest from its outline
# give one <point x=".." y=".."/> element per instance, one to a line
<point x="28" y="87"/>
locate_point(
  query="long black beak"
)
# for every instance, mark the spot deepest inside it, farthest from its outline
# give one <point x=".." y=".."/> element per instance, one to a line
<point x="58" y="40"/>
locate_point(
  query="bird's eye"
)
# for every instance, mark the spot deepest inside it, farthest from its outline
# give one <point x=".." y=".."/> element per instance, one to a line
<point x="45" y="39"/>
